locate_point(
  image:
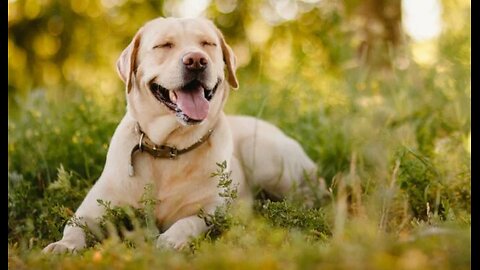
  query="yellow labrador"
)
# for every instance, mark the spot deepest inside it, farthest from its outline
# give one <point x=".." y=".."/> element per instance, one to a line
<point x="178" y="73"/>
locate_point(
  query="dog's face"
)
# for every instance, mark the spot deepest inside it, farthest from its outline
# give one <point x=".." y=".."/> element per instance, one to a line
<point x="177" y="67"/>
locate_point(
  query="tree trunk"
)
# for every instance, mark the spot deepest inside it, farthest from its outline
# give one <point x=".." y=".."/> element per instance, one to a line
<point x="380" y="30"/>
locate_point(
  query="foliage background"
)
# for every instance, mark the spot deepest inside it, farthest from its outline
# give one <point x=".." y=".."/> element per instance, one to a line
<point x="385" y="117"/>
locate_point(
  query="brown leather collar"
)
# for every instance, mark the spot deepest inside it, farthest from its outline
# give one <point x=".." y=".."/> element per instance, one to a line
<point x="161" y="151"/>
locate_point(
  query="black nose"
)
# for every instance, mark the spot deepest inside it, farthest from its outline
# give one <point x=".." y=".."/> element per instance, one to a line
<point x="195" y="61"/>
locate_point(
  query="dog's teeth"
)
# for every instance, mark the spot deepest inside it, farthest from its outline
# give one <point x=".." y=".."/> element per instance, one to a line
<point x="173" y="96"/>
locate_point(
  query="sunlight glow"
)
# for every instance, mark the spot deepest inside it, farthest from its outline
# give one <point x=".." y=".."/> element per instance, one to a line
<point x="425" y="52"/>
<point x="422" y="18"/>
<point x="279" y="11"/>
<point x="286" y="9"/>
<point x="226" y="6"/>
<point x="186" y="8"/>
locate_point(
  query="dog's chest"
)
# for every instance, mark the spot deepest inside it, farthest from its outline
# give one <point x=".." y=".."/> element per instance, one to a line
<point x="181" y="188"/>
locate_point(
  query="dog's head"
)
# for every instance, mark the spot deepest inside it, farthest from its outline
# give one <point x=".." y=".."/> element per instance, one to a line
<point x="177" y="67"/>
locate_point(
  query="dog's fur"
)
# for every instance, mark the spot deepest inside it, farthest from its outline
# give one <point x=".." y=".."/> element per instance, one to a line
<point x="257" y="153"/>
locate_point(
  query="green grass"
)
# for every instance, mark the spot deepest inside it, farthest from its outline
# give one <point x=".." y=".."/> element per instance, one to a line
<point x="394" y="189"/>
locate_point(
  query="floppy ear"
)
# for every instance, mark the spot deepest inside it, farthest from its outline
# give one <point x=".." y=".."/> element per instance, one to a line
<point x="127" y="62"/>
<point x="229" y="59"/>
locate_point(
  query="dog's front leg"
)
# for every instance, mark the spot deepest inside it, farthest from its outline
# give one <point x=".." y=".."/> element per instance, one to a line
<point x="87" y="214"/>
<point x="181" y="232"/>
<point x="73" y="239"/>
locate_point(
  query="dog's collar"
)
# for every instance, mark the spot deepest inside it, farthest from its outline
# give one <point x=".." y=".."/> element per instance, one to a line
<point x="160" y="151"/>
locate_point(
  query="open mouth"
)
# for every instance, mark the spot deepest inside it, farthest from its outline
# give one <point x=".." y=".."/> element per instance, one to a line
<point x="190" y="103"/>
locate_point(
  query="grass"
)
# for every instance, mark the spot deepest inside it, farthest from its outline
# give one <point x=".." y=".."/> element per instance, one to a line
<point x="394" y="190"/>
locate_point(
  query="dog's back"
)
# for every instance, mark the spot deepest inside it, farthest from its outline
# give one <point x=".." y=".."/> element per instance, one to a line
<point x="269" y="158"/>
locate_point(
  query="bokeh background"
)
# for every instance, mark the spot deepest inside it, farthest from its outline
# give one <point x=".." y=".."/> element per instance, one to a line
<point x="378" y="92"/>
<point x="63" y="47"/>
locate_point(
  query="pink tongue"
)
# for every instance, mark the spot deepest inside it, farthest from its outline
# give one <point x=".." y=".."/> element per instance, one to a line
<point x="193" y="103"/>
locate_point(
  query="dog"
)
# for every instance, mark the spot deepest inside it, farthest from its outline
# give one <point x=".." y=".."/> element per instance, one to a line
<point x="178" y="74"/>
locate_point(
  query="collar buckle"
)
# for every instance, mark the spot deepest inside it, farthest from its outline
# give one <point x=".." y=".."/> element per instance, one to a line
<point x="173" y="153"/>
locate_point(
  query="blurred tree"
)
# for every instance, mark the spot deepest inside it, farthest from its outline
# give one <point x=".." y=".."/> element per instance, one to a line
<point x="379" y="25"/>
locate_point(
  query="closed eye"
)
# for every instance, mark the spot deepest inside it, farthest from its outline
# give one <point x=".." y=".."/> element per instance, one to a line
<point x="206" y="43"/>
<point x="166" y="45"/>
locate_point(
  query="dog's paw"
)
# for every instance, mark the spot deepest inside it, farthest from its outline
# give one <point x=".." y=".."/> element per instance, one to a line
<point x="167" y="241"/>
<point x="62" y="247"/>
